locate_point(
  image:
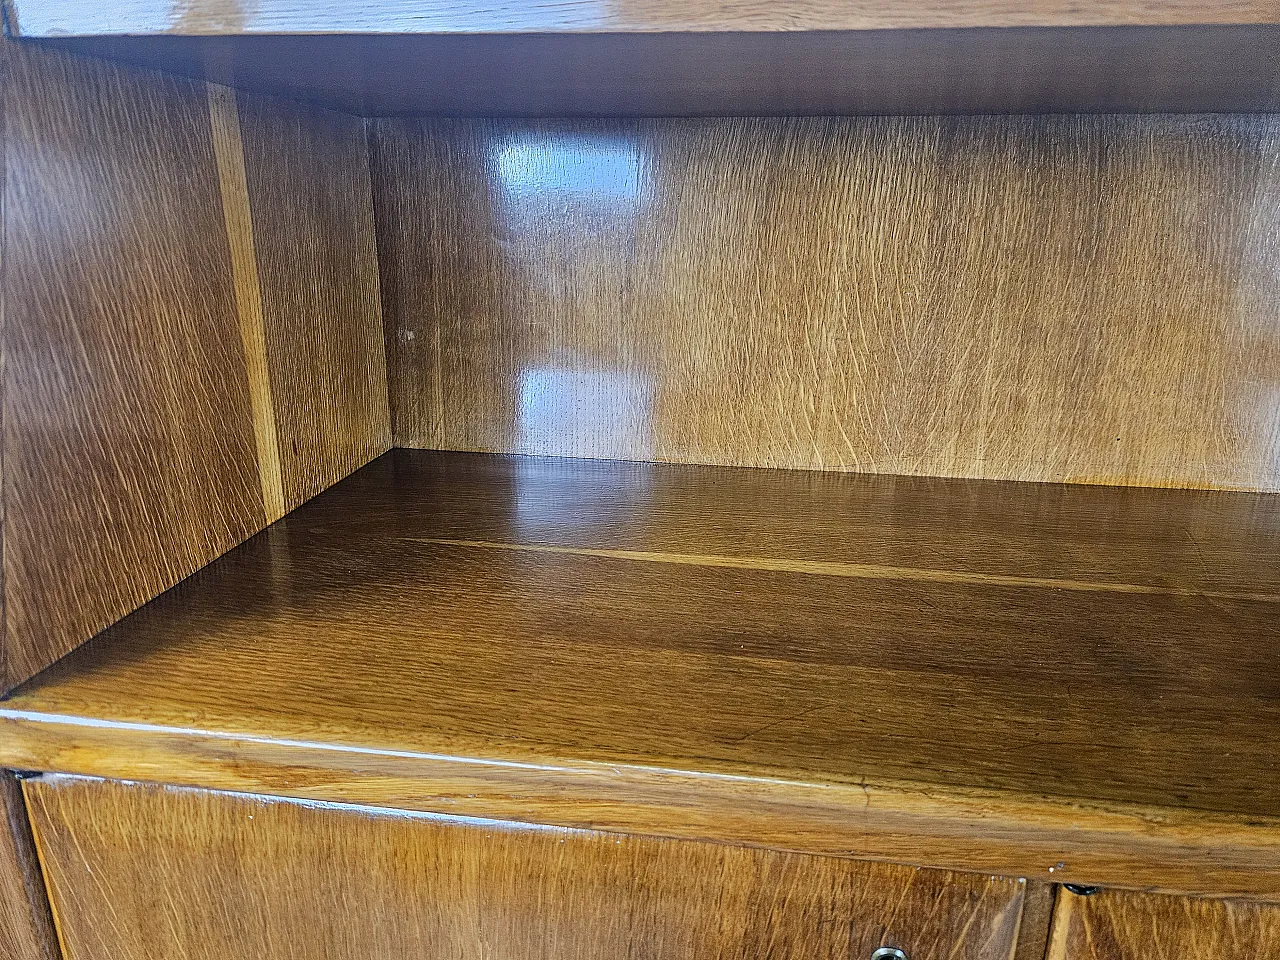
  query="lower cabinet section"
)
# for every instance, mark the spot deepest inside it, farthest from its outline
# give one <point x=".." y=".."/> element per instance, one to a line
<point x="143" y="872"/>
<point x="1119" y="925"/>
<point x="138" y="871"/>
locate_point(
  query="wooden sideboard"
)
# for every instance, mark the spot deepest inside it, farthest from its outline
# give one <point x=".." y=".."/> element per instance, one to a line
<point x="664" y="481"/>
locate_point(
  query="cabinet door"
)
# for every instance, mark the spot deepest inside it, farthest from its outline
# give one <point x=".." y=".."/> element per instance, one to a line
<point x="1119" y="925"/>
<point x="153" y="872"/>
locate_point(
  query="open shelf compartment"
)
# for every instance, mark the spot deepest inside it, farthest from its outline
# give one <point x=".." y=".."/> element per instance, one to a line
<point x="1071" y="682"/>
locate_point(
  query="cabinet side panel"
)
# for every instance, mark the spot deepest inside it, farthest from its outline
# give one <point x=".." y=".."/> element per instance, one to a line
<point x="128" y="448"/>
<point x="193" y="337"/>
<point x="243" y="876"/>
<point x="1066" y="298"/>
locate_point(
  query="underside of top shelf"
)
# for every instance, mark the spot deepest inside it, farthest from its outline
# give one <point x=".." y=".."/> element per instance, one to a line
<point x="1161" y="68"/>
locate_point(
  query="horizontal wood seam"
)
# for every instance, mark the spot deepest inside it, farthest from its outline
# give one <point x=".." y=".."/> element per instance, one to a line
<point x="862" y="571"/>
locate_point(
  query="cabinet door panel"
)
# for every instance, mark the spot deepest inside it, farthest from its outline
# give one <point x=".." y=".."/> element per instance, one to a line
<point x="1121" y="925"/>
<point x="154" y="872"/>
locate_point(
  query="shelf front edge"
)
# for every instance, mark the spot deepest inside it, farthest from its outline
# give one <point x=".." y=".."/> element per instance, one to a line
<point x="1046" y="838"/>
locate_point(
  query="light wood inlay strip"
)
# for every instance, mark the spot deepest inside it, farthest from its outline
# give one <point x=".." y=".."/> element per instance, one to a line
<point x="862" y="571"/>
<point x="229" y="149"/>
<point x="1061" y="926"/>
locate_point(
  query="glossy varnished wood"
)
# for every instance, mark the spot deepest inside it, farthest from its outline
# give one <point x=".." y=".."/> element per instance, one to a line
<point x="6" y="57"/>
<point x="1065" y="299"/>
<point x="1116" y="925"/>
<point x="26" y="927"/>
<point x="228" y="148"/>
<point x="1036" y="920"/>
<point x="1062" y="682"/>
<point x="192" y="339"/>
<point x="826" y="72"/>
<point x="129" y="458"/>
<point x="250" y="877"/>
<point x="308" y="184"/>
<point x="63" y="17"/>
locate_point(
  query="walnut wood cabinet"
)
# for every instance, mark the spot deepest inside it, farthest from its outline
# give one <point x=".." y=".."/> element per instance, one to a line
<point x="662" y="480"/>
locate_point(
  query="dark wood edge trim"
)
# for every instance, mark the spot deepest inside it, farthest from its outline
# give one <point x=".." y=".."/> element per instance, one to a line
<point x="1041" y="838"/>
<point x="12" y="797"/>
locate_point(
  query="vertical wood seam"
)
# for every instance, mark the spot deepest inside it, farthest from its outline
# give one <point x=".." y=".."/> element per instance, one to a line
<point x="38" y="893"/>
<point x="384" y="263"/>
<point x="228" y="148"/>
<point x="1016" y="939"/>
<point x="1059" y="928"/>
<point x="1035" y="920"/>
<point x="387" y="439"/>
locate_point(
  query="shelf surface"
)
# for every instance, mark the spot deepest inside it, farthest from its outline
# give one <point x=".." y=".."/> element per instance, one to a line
<point x="1073" y="682"/>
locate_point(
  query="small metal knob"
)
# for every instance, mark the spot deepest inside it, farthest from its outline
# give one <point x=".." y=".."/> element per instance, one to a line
<point x="888" y="953"/>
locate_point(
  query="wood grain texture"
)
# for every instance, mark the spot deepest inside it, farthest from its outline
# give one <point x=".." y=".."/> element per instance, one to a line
<point x="1065" y="683"/>
<point x="1116" y="925"/>
<point x="248" y="876"/>
<point x="1036" y="920"/>
<point x="6" y="53"/>
<point x="984" y="70"/>
<point x="26" y="926"/>
<point x="228" y="147"/>
<point x="308" y="181"/>
<point x="129" y="457"/>
<point x="1065" y="299"/>
<point x="61" y="17"/>
<point x="193" y="341"/>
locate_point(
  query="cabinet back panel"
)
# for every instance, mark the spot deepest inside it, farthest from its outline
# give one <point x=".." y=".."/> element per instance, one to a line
<point x="1061" y="298"/>
<point x="134" y="448"/>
